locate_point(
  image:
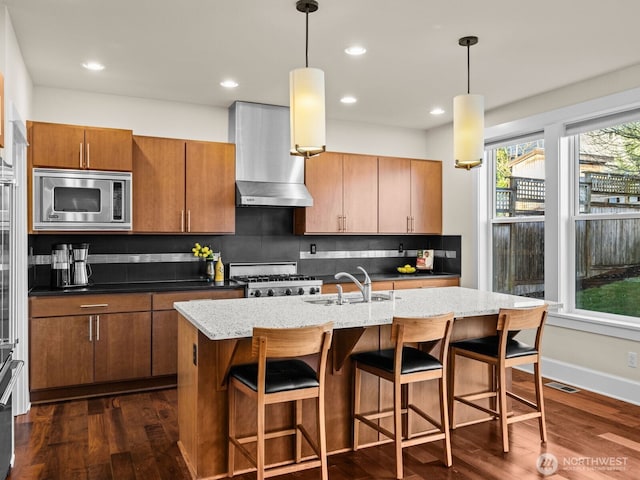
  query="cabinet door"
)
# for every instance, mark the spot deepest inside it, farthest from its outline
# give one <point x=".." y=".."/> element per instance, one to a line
<point x="164" y="341"/>
<point x="360" y="193"/>
<point x="61" y="351"/>
<point x="58" y="146"/>
<point x="210" y="187"/>
<point x="122" y="346"/>
<point x="426" y="196"/>
<point x="108" y="149"/>
<point x="394" y="196"/>
<point x="323" y="178"/>
<point x="158" y="185"/>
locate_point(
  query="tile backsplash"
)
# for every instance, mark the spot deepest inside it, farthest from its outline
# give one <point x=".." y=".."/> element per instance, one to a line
<point x="262" y="235"/>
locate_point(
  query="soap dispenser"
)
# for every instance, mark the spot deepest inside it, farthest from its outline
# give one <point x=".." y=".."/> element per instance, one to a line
<point x="218" y="279"/>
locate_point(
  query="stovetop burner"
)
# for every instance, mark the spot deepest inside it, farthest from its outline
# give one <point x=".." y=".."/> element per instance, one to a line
<point x="273" y="279"/>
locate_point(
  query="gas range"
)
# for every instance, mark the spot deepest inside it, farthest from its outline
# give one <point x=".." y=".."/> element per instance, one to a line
<point x="273" y="279"/>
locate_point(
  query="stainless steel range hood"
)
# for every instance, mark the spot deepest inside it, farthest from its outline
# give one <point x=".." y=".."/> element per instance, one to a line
<point x="266" y="174"/>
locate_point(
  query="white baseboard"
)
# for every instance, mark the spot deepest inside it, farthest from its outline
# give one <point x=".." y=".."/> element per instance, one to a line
<point x="605" y="384"/>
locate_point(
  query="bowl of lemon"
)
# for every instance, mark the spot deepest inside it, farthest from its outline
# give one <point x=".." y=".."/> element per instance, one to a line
<point x="407" y="269"/>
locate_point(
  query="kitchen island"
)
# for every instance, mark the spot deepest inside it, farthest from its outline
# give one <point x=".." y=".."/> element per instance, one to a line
<point x="213" y="335"/>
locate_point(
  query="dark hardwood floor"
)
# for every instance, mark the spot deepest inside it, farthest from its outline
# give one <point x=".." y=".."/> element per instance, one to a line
<point x="134" y="437"/>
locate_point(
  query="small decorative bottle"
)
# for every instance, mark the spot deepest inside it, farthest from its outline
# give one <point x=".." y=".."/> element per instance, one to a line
<point x="219" y="275"/>
<point x="210" y="269"/>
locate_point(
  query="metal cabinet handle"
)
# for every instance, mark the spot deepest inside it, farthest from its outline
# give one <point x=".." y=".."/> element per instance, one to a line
<point x="339" y="223"/>
<point x="90" y="328"/>
<point x="88" y="157"/>
<point x="188" y="220"/>
<point x="80" y="155"/>
<point x="182" y="220"/>
<point x="344" y="220"/>
<point x="408" y="224"/>
<point x="97" y="328"/>
<point x="95" y="305"/>
<point x="17" y="364"/>
<point x="412" y="224"/>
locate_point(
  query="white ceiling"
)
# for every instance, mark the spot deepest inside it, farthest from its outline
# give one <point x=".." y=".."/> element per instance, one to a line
<point x="181" y="49"/>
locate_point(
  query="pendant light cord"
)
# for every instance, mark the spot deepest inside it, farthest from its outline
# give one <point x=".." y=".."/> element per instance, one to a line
<point x="468" y="69"/>
<point x="306" y="47"/>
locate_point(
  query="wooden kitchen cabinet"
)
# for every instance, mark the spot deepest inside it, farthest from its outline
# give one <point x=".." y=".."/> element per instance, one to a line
<point x="79" y="147"/>
<point x="61" y="352"/>
<point x="344" y="188"/>
<point x="164" y="330"/>
<point x="410" y="196"/>
<point x="426" y="283"/>
<point x="183" y="186"/>
<point x="85" y="339"/>
<point x="122" y="346"/>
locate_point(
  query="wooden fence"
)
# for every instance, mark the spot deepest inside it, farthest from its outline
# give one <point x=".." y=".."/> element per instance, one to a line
<point x="518" y="258"/>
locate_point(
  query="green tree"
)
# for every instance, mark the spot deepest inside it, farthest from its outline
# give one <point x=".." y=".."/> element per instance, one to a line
<point x="621" y="142"/>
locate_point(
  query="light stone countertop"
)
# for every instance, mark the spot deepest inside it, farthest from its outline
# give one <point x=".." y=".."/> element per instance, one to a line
<point x="226" y="319"/>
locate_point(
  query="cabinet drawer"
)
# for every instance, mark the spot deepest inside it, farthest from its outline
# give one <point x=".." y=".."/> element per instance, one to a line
<point x="164" y="301"/>
<point x="89" y="304"/>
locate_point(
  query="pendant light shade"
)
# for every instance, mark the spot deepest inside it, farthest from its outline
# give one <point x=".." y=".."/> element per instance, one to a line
<point x="306" y="99"/>
<point x="307" y="111"/>
<point x="468" y="122"/>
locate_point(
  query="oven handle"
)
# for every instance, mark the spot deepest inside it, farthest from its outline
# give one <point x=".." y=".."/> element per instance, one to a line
<point x="17" y="365"/>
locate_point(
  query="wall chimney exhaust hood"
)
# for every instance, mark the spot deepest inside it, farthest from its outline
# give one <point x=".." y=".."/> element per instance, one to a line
<point x="266" y="173"/>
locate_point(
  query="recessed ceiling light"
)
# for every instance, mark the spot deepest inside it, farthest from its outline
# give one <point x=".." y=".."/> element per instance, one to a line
<point x="93" y="66"/>
<point x="348" y="99"/>
<point x="437" y="111"/>
<point x="355" y="50"/>
<point x="229" y="83"/>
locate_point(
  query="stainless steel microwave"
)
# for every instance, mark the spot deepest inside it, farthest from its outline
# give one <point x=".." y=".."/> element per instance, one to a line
<point x="81" y="200"/>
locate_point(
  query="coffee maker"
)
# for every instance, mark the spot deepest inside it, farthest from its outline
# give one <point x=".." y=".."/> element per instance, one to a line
<point x="61" y="265"/>
<point x="80" y="271"/>
<point x="69" y="267"/>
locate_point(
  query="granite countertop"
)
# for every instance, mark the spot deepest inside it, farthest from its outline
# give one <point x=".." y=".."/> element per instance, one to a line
<point x="226" y="319"/>
<point x="135" y="287"/>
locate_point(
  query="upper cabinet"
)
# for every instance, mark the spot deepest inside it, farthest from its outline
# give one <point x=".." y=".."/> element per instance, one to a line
<point x="183" y="186"/>
<point x="345" y="195"/>
<point x="410" y="196"/>
<point x="367" y="194"/>
<point x="70" y="146"/>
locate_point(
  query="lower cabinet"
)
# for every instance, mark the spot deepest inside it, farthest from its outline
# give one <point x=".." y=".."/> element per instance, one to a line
<point x="164" y="330"/>
<point x="86" y="339"/>
<point x="84" y="345"/>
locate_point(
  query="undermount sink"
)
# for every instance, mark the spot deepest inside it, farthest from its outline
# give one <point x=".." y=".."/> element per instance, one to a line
<point x="349" y="299"/>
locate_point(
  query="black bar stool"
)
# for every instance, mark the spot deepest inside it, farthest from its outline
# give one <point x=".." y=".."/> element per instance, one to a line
<point x="502" y="351"/>
<point x="278" y="377"/>
<point x="404" y="365"/>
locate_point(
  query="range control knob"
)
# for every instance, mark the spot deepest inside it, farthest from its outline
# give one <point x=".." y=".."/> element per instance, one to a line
<point x="312" y="291"/>
<point x="301" y="291"/>
<point x="271" y="293"/>
<point x="258" y="293"/>
<point x="287" y="291"/>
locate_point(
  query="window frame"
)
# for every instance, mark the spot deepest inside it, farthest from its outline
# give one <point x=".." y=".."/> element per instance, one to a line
<point x="559" y="219"/>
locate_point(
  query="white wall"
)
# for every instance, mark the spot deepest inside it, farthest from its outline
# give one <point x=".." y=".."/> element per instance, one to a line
<point x="196" y="122"/>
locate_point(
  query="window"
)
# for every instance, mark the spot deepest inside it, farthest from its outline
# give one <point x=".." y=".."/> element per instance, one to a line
<point x="607" y="219"/>
<point x="518" y="217"/>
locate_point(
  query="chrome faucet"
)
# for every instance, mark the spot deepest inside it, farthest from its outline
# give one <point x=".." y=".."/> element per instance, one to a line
<point x="365" y="288"/>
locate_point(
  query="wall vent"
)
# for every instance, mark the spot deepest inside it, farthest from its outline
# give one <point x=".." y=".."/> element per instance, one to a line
<point x="562" y="387"/>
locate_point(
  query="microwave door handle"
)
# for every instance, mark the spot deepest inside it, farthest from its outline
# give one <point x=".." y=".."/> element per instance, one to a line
<point x="16" y="366"/>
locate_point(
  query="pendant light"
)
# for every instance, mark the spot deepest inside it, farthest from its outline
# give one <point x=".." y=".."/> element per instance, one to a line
<point x="306" y="90"/>
<point x="468" y="121"/>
